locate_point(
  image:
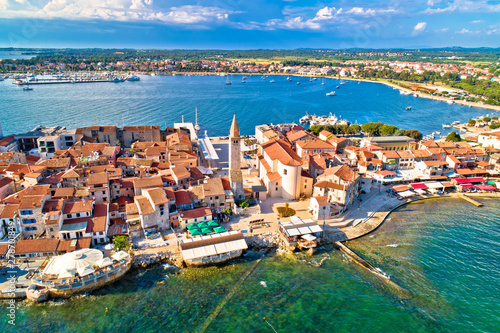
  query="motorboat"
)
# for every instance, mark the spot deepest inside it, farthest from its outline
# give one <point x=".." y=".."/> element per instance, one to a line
<point x="133" y="78"/>
<point x="331" y="93"/>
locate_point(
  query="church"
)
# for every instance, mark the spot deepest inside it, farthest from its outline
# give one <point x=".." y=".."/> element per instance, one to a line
<point x="235" y="174"/>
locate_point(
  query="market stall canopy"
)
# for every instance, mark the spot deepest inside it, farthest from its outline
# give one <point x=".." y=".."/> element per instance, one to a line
<point x="195" y="232"/>
<point x="418" y="186"/>
<point x="206" y="231"/>
<point x="212" y="223"/>
<point x="202" y="225"/>
<point x="104" y="262"/>
<point x="67" y="273"/>
<point x="84" y="271"/>
<point x="120" y="255"/>
<point x="219" y="230"/>
<point x="192" y="227"/>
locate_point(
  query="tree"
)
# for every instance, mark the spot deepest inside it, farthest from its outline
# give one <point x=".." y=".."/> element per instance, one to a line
<point x="486" y="119"/>
<point x="414" y="134"/>
<point x="372" y="129"/>
<point x="494" y="117"/>
<point x="121" y="243"/>
<point x="471" y="122"/>
<point x="387" y="130"/>
<point x="399" y="132"/>
<point x="244" y="204"/>
<point x="354" y="128"/>
<point x="453" y="137"/>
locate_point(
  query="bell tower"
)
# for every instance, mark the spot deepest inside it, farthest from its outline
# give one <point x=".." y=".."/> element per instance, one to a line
<point x="234" y="146"/>
<point x="235" y="175"/>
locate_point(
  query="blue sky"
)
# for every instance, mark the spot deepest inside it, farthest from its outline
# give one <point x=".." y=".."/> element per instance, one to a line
<point x="247" y="24"/>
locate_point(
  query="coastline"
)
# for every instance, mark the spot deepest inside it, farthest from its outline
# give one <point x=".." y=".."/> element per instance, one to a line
<point x="419" y="94"/>
<point x="379" y="217"/>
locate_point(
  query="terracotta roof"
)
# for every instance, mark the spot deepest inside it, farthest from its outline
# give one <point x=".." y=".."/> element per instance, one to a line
<point x="321" y="199"/>
<point x="53" y="205"/>
<point x="100" y="217"/>
<point x="56" y="162"/>
<point x="182" y="197"/>
<point x="78" y="206"/>
<point x="158" y="196"/>
<point x="213" y="186"/>
<point x="98" y="179"/>
<point x="64" y="192"/>
<point x="327" y="184"/>
<point x="273" y="176"/>
<point x="180" y="171"/>
<point x="5" y="181"/>
<point x="81" y="243"/>
<point x="146" y="182"/>
<point x="31" y="201"/>
<point x="315" y="144"/>
<point x="170" y="192"/>
<point x="278" y="149"/>
<point x="293" y="136"/>
<point x="343" y="172"/>
<point x="40" y="245"/>
<point x="8" y="211"/>
<point x="195" y="213"/>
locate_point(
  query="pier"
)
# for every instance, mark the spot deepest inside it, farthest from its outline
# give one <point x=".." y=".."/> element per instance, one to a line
<point x="53" y="81"/>
<point x="472" y="201"/>
<point x="401" y="292"/>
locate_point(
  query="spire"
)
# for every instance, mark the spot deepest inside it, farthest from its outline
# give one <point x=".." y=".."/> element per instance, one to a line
<point x="234" y="132"/>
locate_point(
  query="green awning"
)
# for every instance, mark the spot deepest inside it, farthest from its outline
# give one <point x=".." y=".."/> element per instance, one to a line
<point x="212" y="223"/>
<point x="192" y="226"/>
<point x="491" y="182"/>
<point x="202" y="225"/>
<point x="206" y="231"/>
<point x="219" y="230"/>
<point x="195" y="232"/>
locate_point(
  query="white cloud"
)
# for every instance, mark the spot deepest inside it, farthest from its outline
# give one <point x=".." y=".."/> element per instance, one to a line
<point x="419" y="28"/>
<point x="477" y="21"/>
<point x="466" y="31"/>
<point x="117" y="10"/>
<point x="467" y="6"/>
<point x="443" y="30"/>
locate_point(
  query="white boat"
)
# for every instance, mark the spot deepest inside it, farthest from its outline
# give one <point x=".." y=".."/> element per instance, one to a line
<point x="438" y="133"/>
<point x="323" y="83"/>
<point x="305" y="119"/>
<point x="272" y="81"/>
<point x="456" y="122"/>
<point x="446" y="126"/>
<point x="331" y="93"/>
<point x="408" y="108"/>
<point x="298" y="83"/>
<point x="133" y="78"/>
<point x="314" y="79"/>
<point x="404" y="92"/>
<point x="196" y="126"/>
<point x="450" y="102"/>
<point x="332" y="119"/>
<point x="337" y="87"/>
<point x="415" y="95"/>
<point x="263" y="77"/>
<point x="227" y="81"/>
<point x="245" y="77"/>
<point x="116" y="80"/>
<point x="243" y="81"/>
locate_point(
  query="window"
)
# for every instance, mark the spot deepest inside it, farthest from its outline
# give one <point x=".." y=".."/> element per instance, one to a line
<point x="30" y="228"/>
<point x="77" y="214"/>
<point x="26" y="212"/>
<point x="29" y="221"/>
<point x="285" y="171"/>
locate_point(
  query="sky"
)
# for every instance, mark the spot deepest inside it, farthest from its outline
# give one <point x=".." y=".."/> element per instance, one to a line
<point x="249" y="24"/>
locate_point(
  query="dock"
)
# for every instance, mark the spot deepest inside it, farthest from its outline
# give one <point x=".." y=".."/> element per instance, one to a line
<point x="398" y="290"/>
<point x="472" y="201"/>
<point x="26" y="83"/>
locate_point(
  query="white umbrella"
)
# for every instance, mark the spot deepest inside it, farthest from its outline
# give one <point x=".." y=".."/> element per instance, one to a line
<point x="73" y="260"/>
<point x="67" y="273"/>
<point x="104" y="262"/>
<point x="120" y="255"/>
<point x="84" y="271"/>
<point x="109" y="246"/>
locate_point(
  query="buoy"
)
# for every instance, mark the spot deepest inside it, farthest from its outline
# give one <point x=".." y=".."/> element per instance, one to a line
<point x="106" y="310"/>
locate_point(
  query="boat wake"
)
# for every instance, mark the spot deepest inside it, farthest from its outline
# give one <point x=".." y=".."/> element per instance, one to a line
<point x="392" y="245"/>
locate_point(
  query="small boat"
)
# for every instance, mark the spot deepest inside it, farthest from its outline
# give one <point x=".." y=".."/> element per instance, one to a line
<point x="450" y="102"/>
<point x="28" y="88"/>
<point x="314" y="79"/>
<point x="133" y="78"/>
<point x="446" y="126"/>
<point x="408" y="108"/>
<point x="116" y="80"/>
<point x="227" y="81"/>
<point x="263" y="77"/>
<point x="323" y="83"/>
<point x="456" y="122"/>
<point x="438" y="133"/>
<point x="337" y="87"/>
<point x="298" y="83"/>
<point x="272" y="81"/>
<point x="245" y="77"/>
<point x="342" y="83"/>
<point x="331" y="93"/>
<point x="243" y="81"/>
<point x="415" y="95"/>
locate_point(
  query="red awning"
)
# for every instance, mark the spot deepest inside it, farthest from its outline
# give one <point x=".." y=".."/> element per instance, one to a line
<point x="466" y="185"/>
<point x="468" y="180"/>
<point x="418" y="186"/>
<point x="487" y="187"/>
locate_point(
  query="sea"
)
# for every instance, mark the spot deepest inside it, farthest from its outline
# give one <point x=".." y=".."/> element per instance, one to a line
<point x="444" y="255"/>
<point x="163" y="100"/>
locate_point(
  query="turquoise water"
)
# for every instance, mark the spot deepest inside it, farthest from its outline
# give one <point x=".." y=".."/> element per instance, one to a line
<point x="162" y="100"/>
<point x="445" y="253"/>
<point x="14" y="55"/>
